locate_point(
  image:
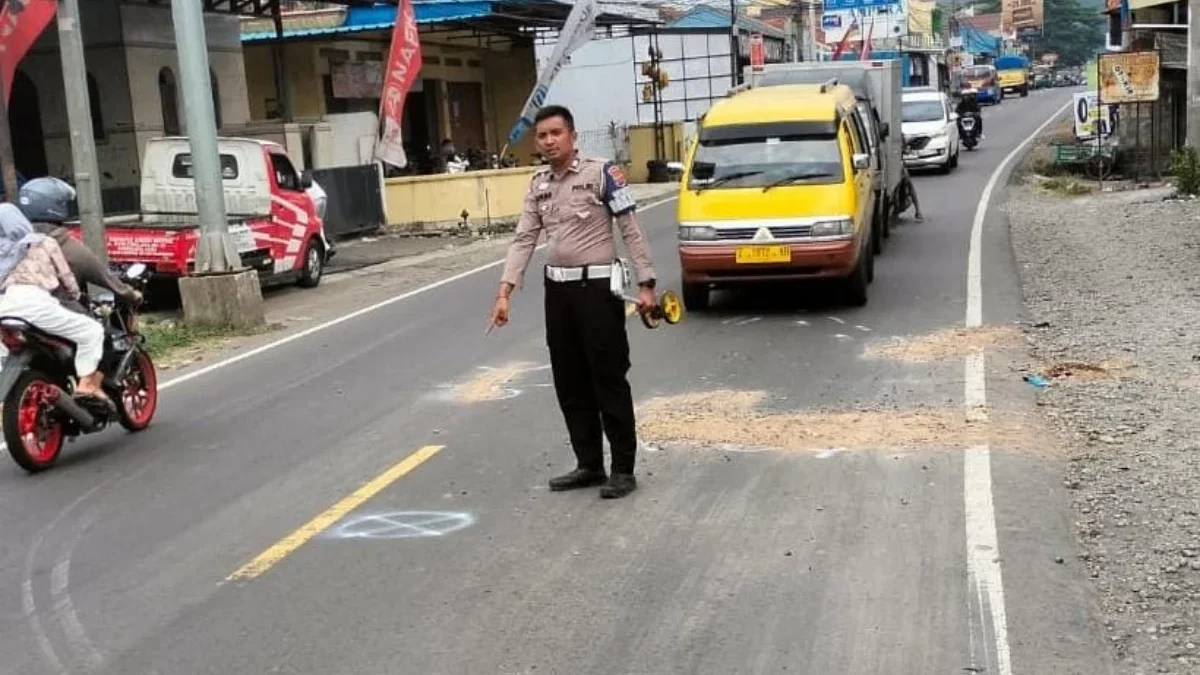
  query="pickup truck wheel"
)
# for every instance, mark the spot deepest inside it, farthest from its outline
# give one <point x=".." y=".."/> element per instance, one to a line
<point x="314" y="264"/>
<point x="696" y="297"/>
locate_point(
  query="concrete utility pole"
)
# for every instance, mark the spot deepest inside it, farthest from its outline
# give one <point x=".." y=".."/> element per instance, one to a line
<point x="216" y="251"/>
<point x="222" y="293"/>
<point x="1193" y="77"/>
<point x="735" y="52"/>
<point x="79" y="119"/>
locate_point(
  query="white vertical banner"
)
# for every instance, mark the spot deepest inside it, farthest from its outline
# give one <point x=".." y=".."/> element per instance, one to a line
<point x="578" y="30"/>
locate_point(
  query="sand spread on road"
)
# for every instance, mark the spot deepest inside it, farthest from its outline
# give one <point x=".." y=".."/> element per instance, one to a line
<point x="944" y="345"/>
<point x="747" y="419"/>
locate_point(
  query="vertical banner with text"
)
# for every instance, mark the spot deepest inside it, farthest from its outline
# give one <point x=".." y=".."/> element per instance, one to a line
<point x="21" y="22"/>
<point x="403" y="65"/>
<point x="578" y="31"/>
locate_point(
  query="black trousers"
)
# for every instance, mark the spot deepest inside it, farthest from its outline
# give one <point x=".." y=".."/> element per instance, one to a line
<point x="589" y="356"/>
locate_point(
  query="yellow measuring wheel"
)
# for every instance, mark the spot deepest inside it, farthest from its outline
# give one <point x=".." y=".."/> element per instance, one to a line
<point x="669" y="308"/>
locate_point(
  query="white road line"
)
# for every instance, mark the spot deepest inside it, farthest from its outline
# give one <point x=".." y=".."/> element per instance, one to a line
<point x="863" y="329"/>
<point x="64" y="608"/>
<point x="836" y="320"/>
<point x="802" y="322"/>
<point x="352" y="315"/>
<point x="984" y="575"/>
<point x="28" y="603"/>
<point x="747" y="322"/>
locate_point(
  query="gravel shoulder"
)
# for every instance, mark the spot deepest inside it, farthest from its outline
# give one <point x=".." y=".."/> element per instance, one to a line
<point x="1112" y="287"/>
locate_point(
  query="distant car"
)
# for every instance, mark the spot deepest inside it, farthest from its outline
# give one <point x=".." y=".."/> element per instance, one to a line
<point x="930" y="131"/>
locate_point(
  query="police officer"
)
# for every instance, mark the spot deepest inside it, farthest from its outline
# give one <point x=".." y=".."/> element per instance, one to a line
<point x="575" y="201"/>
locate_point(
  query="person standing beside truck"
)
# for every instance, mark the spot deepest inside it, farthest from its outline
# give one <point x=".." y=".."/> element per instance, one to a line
<point x="908" y="194"/>
<point x="576" y="201"/>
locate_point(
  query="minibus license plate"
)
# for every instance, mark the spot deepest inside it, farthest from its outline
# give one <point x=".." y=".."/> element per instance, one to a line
<point x="764" y="254"/>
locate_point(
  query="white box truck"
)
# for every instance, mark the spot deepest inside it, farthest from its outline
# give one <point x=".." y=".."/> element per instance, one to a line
<point x="876" y="84"/>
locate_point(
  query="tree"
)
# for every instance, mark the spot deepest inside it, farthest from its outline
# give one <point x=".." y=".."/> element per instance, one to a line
<point x="1073" y="29"/>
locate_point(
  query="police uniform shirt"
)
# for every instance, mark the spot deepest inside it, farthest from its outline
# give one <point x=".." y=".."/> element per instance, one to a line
<point x="576" y="211"/>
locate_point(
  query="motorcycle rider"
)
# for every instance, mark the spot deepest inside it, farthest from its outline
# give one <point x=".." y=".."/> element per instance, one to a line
<point x="969" y="105"/>
<point x="34" y="272"/>
<point x="46" y="202"/>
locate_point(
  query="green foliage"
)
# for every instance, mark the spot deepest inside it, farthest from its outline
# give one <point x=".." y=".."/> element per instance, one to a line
<point x="1073" y="29"/>
<point x="1185" y="166"/>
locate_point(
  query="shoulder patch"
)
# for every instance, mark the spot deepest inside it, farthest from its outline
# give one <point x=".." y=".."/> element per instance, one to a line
<point x="616" y="175"/>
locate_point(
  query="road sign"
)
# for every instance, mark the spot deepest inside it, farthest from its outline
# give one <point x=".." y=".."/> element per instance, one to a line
<point x="1129" y="77"/>
<point x="758" y="54"/>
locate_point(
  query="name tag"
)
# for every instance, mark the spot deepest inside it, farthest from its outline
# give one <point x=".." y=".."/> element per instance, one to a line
<point x="621" y="200"/>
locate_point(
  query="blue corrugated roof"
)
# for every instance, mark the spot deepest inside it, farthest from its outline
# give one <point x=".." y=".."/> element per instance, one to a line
<point x="703" y="16"/>
<point x="383" y="17"/>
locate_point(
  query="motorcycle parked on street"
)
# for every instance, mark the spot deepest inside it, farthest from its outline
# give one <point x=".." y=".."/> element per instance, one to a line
<point x="969" y="131"/>
<point x="37" y="381"/>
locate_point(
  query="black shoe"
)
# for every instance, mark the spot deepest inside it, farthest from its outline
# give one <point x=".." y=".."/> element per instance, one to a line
<point x="618" y="485"/>
<point x="579" y="478"/>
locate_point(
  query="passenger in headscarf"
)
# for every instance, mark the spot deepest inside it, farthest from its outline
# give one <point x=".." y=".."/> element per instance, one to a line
<point x="33" y="271"/>
<point x="16" y="236"/>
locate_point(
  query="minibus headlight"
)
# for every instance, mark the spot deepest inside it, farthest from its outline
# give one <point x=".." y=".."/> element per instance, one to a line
<point x="833" y="228"/>
<point x="697" y="233"/>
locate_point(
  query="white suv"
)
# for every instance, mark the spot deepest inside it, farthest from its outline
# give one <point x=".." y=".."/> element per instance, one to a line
<point x="930" y="130"/>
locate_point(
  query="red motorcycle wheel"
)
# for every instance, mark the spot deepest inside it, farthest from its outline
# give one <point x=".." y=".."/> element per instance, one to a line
<point x="139" y="397"/>
<point x="33" y="436"/>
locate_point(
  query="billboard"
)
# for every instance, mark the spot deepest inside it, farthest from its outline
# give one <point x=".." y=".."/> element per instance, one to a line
<point x="1021" y="17"/>
<point x="1091" y="118"/>
<point x="1128" y="77"/>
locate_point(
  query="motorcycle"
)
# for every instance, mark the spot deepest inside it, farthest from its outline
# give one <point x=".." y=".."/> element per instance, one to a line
<point x="37" y="381"/>
<point x="969" y="130"/>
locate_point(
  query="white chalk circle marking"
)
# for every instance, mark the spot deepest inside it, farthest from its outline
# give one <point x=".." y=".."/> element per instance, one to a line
<point x="403" y="525"/>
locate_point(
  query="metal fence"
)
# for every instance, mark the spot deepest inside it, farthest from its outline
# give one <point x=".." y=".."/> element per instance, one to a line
<point x="354" y="198"/>
<point x="610" y="143"/>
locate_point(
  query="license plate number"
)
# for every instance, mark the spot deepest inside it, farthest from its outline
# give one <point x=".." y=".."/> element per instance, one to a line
<point x="764" y="254"/>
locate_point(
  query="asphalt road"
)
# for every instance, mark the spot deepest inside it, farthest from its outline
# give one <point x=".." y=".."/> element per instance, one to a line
<point x="458" y="560"/>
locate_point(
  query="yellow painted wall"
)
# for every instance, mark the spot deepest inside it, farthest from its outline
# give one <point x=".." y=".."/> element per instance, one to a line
<point x="304" y="79"/>
<point x="641" y="148"/>
<point x="440" y="199"/>
<point x="510" y="78"/>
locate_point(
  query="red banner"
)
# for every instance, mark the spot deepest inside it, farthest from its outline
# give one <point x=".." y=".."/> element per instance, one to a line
<point x="21" y="22"/>
<point x="758" y="52"/>
<point x="404" y="63"/>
